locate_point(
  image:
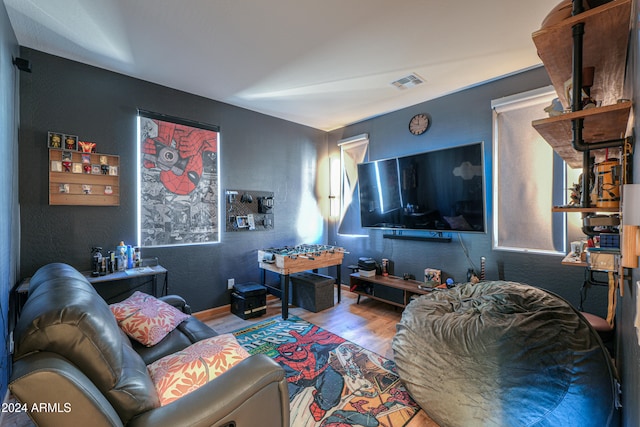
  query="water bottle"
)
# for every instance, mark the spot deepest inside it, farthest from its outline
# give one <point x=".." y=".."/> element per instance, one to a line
<point x="137" y="260"/>
<point x="129" y="256"/>
<point x="121" y="256"/>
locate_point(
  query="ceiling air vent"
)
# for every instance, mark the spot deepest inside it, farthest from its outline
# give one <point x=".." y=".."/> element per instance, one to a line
<point x="408" y="81"/>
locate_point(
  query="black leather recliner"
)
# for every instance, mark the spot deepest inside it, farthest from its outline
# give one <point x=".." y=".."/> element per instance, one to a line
<point x="72" y="361"/>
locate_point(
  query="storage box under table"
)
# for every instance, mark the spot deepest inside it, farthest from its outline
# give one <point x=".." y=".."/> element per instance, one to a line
<point x="312" y="291"/>
<point x="249" y="300"/>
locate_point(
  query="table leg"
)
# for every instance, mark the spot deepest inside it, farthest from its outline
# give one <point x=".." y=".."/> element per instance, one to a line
<point x="285" y="295"/>
<point x="339" y="279"/>
<point x="166" y="283"/>
<point x="154" y="285"/>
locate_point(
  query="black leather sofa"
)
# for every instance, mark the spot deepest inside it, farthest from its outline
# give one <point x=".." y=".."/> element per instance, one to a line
<point x="72" y="360"/>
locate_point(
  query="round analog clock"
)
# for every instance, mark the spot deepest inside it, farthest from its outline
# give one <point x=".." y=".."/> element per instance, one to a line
<point x="419" y="124"/>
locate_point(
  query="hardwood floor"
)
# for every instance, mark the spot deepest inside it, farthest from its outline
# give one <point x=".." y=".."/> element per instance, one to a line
<point x="370" y="324"/>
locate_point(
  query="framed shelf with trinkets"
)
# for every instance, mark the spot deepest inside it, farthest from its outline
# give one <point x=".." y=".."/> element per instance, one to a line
<point x="83" y="179"/>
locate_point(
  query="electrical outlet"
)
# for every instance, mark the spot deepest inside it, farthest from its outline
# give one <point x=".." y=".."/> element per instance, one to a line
<point x="230" y="283"/>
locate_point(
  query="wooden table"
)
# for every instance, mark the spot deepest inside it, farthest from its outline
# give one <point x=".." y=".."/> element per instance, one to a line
<point x="287" y="264"/>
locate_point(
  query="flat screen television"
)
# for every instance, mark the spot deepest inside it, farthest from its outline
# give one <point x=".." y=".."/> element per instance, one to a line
<point x="441" y="190"/>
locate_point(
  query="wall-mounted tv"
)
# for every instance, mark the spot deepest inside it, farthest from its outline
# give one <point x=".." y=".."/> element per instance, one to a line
<point x="441" y="191"/>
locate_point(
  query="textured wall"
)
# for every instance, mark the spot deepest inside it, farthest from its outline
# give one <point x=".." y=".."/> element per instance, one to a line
<point x="258" y="152"/>
<point x="9" y="224"/>
<point x="628" y="348"/>
<point x="460" y="118"/>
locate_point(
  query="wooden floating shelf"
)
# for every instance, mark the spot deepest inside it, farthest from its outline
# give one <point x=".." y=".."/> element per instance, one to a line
<point x="605" y="44"/>
<point x="583" y="210"/>
<point x="575" y="264"/>
<point x="600" y="124"/>
<point x="606" y="37"/>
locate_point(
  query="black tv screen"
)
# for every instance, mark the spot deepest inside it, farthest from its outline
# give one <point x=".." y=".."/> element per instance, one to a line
<point x="440" y="190"/>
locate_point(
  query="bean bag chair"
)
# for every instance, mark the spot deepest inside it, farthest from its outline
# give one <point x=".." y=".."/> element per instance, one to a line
<point x="504" y="354"/>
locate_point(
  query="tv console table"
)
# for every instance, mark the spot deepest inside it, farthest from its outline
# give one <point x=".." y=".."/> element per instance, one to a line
<point x="390" y="289"/>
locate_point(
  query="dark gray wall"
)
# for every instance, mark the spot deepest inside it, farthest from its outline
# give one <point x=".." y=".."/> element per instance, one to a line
<point x="628" y="354"/>
<point x="9" y="222"/>
<point x="258" y="152"/>
<point x="460" y="118"/>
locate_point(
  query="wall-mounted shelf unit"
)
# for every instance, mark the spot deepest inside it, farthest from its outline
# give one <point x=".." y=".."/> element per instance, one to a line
<point x="70" y="183"/>
<point x="597" y="38"/>
<point x="603" y="45"/>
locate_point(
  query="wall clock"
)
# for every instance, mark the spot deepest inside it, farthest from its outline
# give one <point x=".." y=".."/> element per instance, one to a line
<point x="419" y="124"/>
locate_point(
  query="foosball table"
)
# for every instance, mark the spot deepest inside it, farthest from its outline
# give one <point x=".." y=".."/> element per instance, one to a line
<point x="295" y="259"/>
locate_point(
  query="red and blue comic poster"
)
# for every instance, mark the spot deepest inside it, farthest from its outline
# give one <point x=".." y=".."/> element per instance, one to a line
<point x="178" y="181"/>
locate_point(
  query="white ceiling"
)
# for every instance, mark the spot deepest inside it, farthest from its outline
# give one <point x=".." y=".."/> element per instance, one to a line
<point x="320" y="63"/>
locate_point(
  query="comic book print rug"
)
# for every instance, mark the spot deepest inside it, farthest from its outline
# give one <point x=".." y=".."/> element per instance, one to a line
<point x="332" y="382"/>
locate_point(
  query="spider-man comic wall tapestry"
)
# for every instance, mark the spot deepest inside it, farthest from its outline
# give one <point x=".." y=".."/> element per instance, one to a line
<point x="179" y="186"/>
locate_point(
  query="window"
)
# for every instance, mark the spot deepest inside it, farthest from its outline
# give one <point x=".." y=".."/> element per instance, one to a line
<point x="528" y="179"/>
<point x="352" y="151"/>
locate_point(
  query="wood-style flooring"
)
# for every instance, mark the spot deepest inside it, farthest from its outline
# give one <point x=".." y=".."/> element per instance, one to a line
<point x="370" y="324"/>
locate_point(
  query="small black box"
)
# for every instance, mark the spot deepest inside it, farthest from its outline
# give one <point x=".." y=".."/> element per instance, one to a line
<point x="313" y="292"/>
<point x="249" y="300"/>
<point x="367" y="264"/>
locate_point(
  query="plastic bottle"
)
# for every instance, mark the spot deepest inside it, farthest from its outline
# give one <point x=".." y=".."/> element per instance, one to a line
<point x="129" y="256"/>
<point x="121" y="256"/>
<point x="137" y="261"/>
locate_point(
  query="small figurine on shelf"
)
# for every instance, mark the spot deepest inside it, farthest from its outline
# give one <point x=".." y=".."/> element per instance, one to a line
<point x="70" y="142"/>
<point x="87" y="147"/>
<point x="55" y="140"/>
<point x="555" y="109"/>
<point x="574" y="196"/>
